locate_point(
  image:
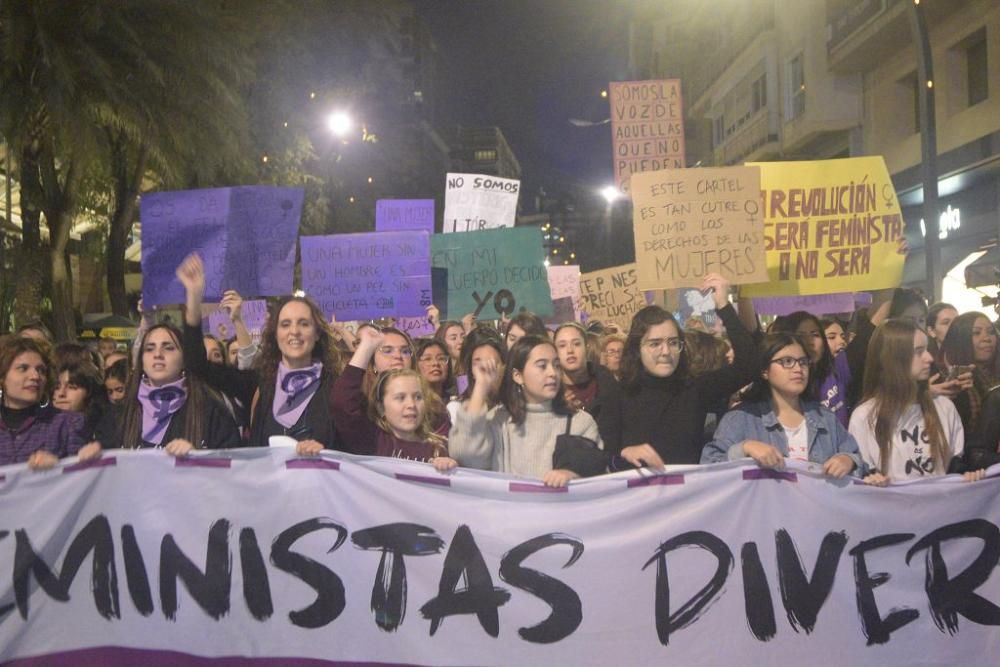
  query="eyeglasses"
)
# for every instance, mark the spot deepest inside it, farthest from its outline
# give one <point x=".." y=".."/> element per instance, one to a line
<point x="441" y="359"/>
<point x="789" y="363"/>
<point x="389" y="350"/>
<point x="675" y="344"/>
<point x="613" y="353"/>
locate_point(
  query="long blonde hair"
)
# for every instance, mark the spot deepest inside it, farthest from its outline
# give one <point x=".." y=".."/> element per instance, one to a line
<point x="432" y="407"/>
<point x="888" y="382"/>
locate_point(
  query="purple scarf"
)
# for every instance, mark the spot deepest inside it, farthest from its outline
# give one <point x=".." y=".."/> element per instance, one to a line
<point x="158" y="405"/>
<point x="292" y="392"/>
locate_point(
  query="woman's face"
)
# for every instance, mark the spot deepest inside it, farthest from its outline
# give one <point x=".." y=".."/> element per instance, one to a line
<point x="916" y="314"/>
<point x="984" y="340"/>
<point x="836" y="338"/>
<point x="233" y="352"/>
<point x="611" y="358"/>
<point x="513" y="334"/>
<point x="115" y="389"/>
<point x="809" y="331"/>
<point x="540" y="378"/>
<point x="162" y="359"/>
<point x="68" y="396"/>
<point x="572" y="349"/>
<point x="433" y="364"/>
<point x="789" y="381"/>
<point x="920" y="368"/>
<point x="487" y="352"/>
<point x="394" y="352"/>
<point x="297" y="334"/>
<point x="403" y="405"/>
<point x="24" y="383"/>
<point x="213" y="350"/>
<point x="942" y="324"/>
<point x="454" y="336"/>
<point x="660" y="349"/>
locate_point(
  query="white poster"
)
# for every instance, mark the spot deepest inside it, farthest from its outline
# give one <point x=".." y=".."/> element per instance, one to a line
<point x="474" y="202"/>
<point x="254" y="553"/>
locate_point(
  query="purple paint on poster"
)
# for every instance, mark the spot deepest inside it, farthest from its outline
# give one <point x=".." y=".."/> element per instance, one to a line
<point x="404" y="215"/>
<point x="368" y="276"/>
<point x="817" y="304"/>
<point x="245" y="236"/>
<point x="415" y="327"/>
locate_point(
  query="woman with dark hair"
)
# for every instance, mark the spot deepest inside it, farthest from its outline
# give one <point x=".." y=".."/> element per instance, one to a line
<point x="166" y="407"/>
<point x="451" y="334"/>
<point x="901" y="429"/>
<point x="519" y="436"/>
<point x="969" y="350"/>
<point x="288" y="390"/>
<point x="32" y="430"/>
<point x="663" y="406"/>
<point x="939" y="319"/>
<point x="776" y="420"/>
<point x="524" y="324"/>
<point x="80" y="388"/>
<point x="65" y="354"/>
<point x="588" y="386"/>
<point x="836" y="335"/>
<point x="830" y="376"/>
<point x="115" y="379"/>
<point x="482" y="344"/>
<point x="434" y="366"/>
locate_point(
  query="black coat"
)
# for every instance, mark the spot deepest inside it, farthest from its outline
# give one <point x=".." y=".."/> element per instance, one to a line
<point x="220" y="429"/>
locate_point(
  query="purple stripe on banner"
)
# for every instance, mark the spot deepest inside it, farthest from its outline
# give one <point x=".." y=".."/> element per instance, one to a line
<point x="767" y="473"/>
<point x="313" y="464"/>
<point x="198" y="462"/>
<point x="114" y="655"/>
<point x="521" y="487"/>
<point x="440" y="481"/>
<point x="656" y="480"/>
<point x="3" y="478"/>
<point x="96" y="463"/>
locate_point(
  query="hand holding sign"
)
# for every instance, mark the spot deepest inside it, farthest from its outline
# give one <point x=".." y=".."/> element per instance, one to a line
<point x="232" y="302"/>
<point x="719" y="287"/>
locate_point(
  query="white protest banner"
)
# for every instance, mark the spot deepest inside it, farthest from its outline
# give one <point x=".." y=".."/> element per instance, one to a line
<point x="474" y="202"/>
<point x="139" y="558"/>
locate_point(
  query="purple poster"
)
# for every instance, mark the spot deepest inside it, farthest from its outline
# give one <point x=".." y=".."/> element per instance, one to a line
<point x="415" y="327"/>
<point x="368" y="276"/>
<point x="404" y="215"/>
<point x="245" y="236"/>
<point x="817" y="304"/>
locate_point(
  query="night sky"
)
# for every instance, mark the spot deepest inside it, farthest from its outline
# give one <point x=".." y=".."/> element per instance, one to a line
<point x="528" y="66"/>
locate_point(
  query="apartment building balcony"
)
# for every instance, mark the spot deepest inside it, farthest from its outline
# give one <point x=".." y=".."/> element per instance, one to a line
<point x="862" y="33"/>
<point x="755" y="139"/>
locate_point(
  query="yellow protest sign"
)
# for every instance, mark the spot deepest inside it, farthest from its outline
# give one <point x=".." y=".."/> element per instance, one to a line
<point x="611" y="295"/>
<point x="692" y="222"/>
<point x="829" y="226"/>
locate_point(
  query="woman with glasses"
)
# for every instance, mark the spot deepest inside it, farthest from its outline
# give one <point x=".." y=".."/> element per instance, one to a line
<point x="831" y="374"/>
<point x="902" y="430"/>
<point x="289" y="388"/>
<point x="612" y="346"/>
<point x="663" y="406"/>
<point x="434" y="366"/>
<point x="777" y="420"/>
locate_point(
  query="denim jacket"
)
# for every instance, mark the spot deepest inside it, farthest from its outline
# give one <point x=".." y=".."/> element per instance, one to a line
<point x="757" y="421"/>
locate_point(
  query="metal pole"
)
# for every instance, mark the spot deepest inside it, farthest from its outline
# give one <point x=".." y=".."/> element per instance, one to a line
<point x="928" y="149"/>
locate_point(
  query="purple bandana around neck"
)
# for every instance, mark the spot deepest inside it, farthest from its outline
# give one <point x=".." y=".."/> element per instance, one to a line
<point x="292" y="392"/>
<point x="158" y="405"/>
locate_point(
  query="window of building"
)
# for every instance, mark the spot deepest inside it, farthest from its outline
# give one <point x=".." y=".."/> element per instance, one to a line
<point x="977" y="78"/>
<point x="485" y="156"/>
<point x="719" y="130"/>
<point x="796" y="87"/>
<point x="759" y="93"/>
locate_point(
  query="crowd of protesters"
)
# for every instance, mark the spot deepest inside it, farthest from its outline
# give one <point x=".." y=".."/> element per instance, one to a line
<point x="896" y="391"/>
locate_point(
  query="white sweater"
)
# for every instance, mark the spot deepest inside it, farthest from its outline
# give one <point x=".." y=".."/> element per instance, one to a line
<point x="491" y="441"/>
<point x="910" y="453"/>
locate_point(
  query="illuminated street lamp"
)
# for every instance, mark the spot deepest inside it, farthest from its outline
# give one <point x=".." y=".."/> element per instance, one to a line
<point x="610" y="193"/>
<point x="339" y="123"/>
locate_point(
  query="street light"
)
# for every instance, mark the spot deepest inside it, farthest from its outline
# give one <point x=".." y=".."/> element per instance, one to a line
<point x="610" y="193"/>
<point x="339" y="123"/>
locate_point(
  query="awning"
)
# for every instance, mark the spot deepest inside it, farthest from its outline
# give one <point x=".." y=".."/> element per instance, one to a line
<point x="985" y="270"/>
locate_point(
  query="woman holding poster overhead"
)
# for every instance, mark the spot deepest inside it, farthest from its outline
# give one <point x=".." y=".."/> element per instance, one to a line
<point x="663" y="406"/>
<point x="289" y="388"/>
